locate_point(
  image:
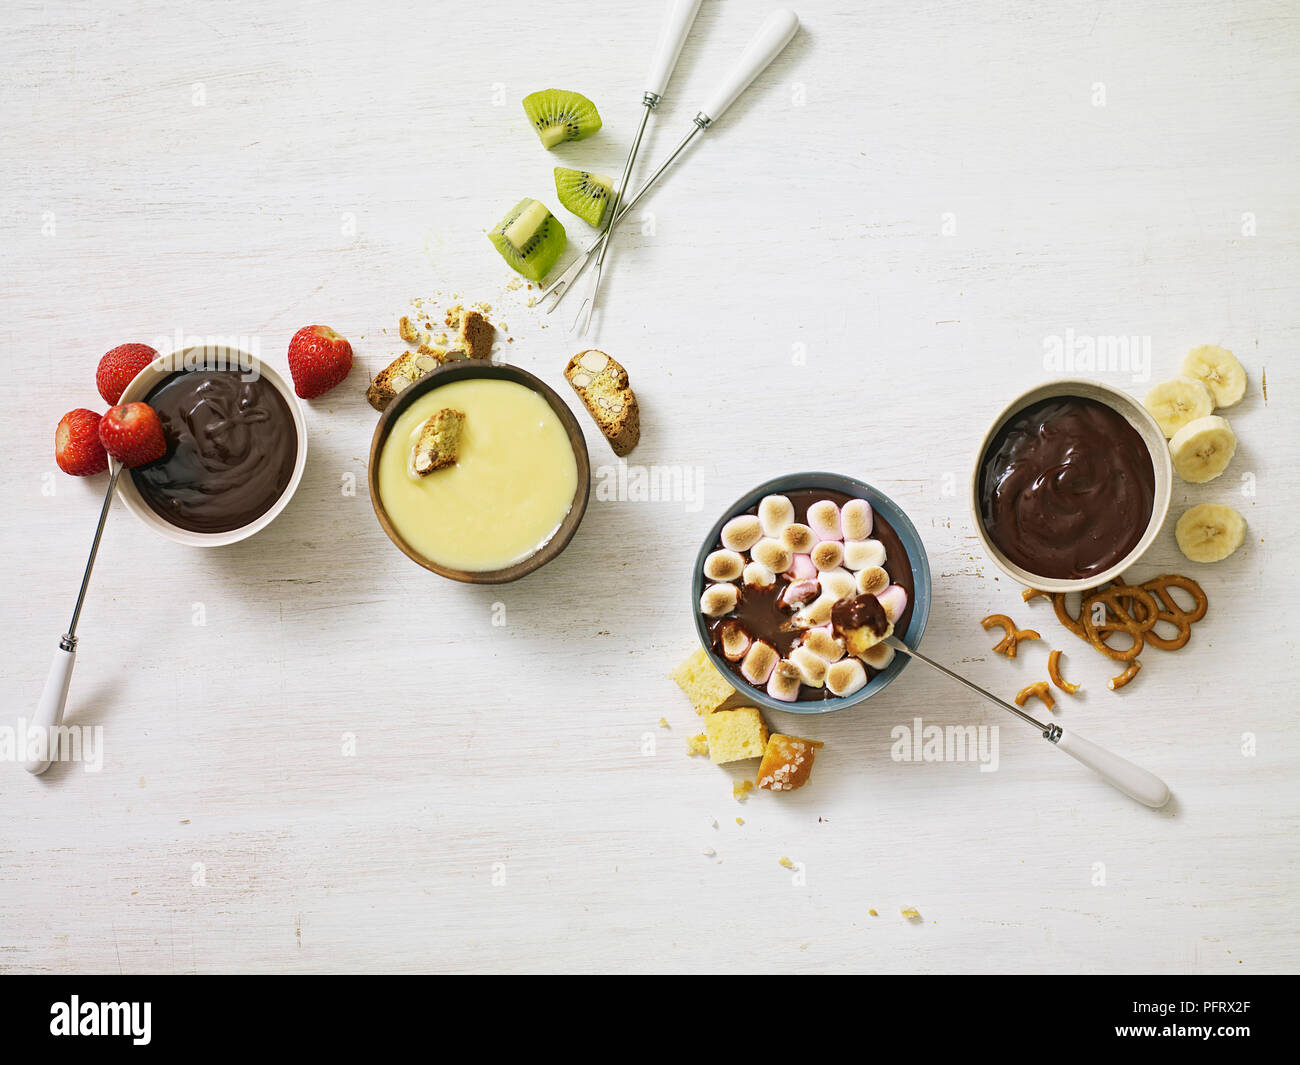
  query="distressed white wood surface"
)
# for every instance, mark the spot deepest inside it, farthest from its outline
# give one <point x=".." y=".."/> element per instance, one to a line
<point x="193" y="167"/>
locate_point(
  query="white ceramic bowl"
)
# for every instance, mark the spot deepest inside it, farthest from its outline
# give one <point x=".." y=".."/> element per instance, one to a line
<point x="1137" y="416"/>
<point x="163" y="366"/>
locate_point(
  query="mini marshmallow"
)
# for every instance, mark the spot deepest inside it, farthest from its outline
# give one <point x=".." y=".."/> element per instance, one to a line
<point x="845" y="677"/>
<point x="802" y="568"/>
<point x="798" y="538"/>
<point x="811" y="666"/>
<point x="718" y="599"/>
<point x="818" y="612"/>
<point x="824" y="644"/>
<point x="734" y="639"/>
<point x="863" y="554"/>
<point x="774" y="514"/>
<point x="824" y="517"/>
<point x="878" y="657"/>
<point x="759" y="662"/>
<point x="838" y="582"/>
<point x="799" y="592"/>
<point x="828" y="554"/>
<point x="757" y="575"/>
<point x="873" y="581"/>
<point x="773" y="554"/>
<point x="784" y="682"/>
<point x="724" y="565"/>
<point x="742" y="533"/>
<point x="894" y="600"/>
<point x="856" y="519"/>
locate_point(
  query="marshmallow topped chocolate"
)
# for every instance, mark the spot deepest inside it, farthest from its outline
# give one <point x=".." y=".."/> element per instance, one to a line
<point x="802" y="556"/>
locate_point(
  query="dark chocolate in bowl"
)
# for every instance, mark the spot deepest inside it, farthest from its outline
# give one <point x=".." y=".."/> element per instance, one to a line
<point x="1066" y="488"/>
<point x="231" y="450"/>
<point x="763" y="618"/>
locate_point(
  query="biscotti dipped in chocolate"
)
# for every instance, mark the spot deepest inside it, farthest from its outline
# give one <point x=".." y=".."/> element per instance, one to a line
<point x="439" y="443"/>
<point x="602" y="385"/>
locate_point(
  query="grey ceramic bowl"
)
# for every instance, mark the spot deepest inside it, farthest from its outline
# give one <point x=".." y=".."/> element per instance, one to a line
<point x="916" y="557"/>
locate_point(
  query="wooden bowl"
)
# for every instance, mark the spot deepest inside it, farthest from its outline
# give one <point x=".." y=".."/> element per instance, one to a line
<point x="465" y="370"/>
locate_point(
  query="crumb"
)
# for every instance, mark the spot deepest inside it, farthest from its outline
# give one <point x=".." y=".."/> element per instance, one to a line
<point x="740" y="790"/>
<point x="709" y="852"/>
<point x="740" y="820"/>
<point x="786" y="862"/>
<point x="697" y="745"/>
<point x="663" y="723"/>
<point x="873" y="913"/>
<point x="910" y="913"/>
<point x="532" y="300"/>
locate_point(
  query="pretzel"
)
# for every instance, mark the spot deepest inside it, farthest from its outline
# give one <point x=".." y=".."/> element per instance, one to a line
<point x="1054" y="671"/>
<point x="1181" y="619"/>
<point x="1063" y="616"/>
<point x="1118" y="682"/>
<point x="1007" y="645"/>
<point x="1129" y="609"/>
<point x="1039" y="690"/>
<point x="1034" y="593"/>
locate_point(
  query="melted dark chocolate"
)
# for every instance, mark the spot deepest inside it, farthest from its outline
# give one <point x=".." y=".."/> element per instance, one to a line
<point x="1066" y="488"/>
<point x="861" y="610"/>
<point x="231" y="450"/>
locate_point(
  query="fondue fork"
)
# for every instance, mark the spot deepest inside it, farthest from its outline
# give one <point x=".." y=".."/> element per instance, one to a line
<point x="1133" y="781"/>
<point x="775" y="33"/>
<point x="49" y="711"/>
<point x="679" y="18"/>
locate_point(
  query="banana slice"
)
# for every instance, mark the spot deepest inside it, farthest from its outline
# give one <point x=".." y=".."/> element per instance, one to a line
<point x="1175" y="403"/>
<point x="1210" y="532"/>
<point x="1202" y="449"/>
<point x="1218" y="369"/>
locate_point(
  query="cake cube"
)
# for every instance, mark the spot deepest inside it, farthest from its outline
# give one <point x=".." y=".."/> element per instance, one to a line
<point x="787" y="762"/>
<point x="735" y="735"/>
<point x="706" y="688"/>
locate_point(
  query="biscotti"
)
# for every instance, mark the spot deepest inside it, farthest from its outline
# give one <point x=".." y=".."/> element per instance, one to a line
<point x="439" y="443"/>
<point x="602" y="385"/>
<point x="399" y="373"/>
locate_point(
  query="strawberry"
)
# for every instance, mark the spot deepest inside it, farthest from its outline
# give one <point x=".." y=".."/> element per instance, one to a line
<point x="77" y="449"/>
<point x="119" y="366"/>
<point x="133" y="434"/>
<point x="319" y="359"/>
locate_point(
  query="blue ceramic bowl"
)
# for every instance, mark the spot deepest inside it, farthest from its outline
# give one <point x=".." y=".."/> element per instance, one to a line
<point x="882" y="505"/>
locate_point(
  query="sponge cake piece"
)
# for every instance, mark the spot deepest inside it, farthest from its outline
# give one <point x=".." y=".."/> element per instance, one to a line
<point x="706" y="688"/>
<point x="735" y="735"/>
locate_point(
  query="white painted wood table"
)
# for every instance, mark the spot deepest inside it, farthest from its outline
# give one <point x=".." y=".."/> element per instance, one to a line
<point x="853" y="270"/>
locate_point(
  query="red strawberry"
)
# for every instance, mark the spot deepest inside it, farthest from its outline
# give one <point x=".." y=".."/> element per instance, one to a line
<point x="119" y="366"/>
<point x="133" y="434"/>
<point x="319" y="359"/>
<point x="77" y="449"/>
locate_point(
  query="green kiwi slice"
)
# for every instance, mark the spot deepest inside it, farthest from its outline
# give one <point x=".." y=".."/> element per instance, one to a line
<point x="585" y="194"/>
<point x="529" y="238"/>
<point x="560" y="115"/>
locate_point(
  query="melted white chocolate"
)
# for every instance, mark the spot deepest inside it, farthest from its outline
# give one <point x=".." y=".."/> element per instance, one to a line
<point x="509" y="490"/>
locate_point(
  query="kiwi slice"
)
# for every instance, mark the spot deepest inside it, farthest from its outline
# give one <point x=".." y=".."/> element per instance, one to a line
<point x="560" y="115"/>
<point x="529" y="238"/>
<point x="585" y="194"/>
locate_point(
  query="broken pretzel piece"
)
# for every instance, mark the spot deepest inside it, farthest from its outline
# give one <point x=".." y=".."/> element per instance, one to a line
<point x="1038" y="690"/>
<point x="1007" y="645"/>
<point x="439" y="444"/>
<point x="1054" y="672"/>
<point x="1118" y="682"/>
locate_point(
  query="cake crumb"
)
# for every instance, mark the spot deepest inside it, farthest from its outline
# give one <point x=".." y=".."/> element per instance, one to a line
<point x="740" y="790"/>
<point x="663" y="723"/>
<point x="910" y="913"/>
<point x="786" y="862"/>
<point x="873" y="913"/>
<point x="740" y="820"/>
<point x="697" y="744"/>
